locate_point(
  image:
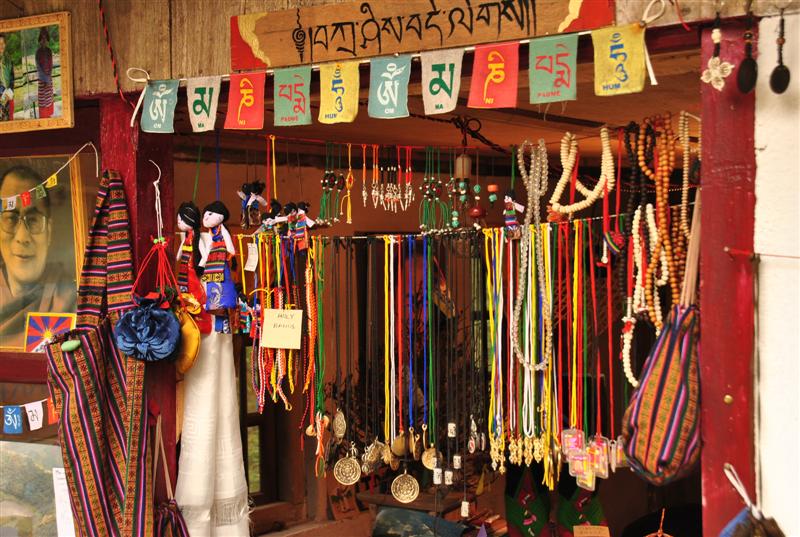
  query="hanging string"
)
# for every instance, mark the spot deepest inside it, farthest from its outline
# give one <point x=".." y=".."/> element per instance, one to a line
<point x="274" y="166"/>
<point x="219" y="158"/>
<point x="111" y="53"/>
<point x="197" y="172"/>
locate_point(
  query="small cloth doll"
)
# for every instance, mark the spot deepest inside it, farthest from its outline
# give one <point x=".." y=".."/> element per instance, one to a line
<point x="271" y="218"/>
<point x="189" y="270"/>
<point x="252" y="201"/>
<point x="218" y="252"/>
<point x="290" y="213"/>
<point x="301" y="226"/>
<point x="510" y="210"/>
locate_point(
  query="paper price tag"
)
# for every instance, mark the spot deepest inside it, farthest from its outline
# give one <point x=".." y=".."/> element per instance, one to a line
<point x="252" y="257"/>
<point x="591" y="531"/>
<point x="282" y="329"/>
<point x="64" y="522"/>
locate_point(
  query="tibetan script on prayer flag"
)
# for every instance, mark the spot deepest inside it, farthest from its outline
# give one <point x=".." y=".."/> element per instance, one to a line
<point x="338" y="91"/>
<point x="552" y="68"/>
<point x="34" y="411"/>
<point x="202" y="96"/>
<point x="246" y="102"/>
<point x="292" y="102"/>
<point x="441" y="80"/>
<point x="619" y="60"/>
<point x="12" y="419"/>
<point x="494" y="76"/>
<point x="388" y="87"/>
<point x="158" y="108"/>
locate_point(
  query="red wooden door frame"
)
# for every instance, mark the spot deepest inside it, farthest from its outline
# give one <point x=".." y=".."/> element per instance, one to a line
<point x="726" y="286"/>
<point x="128" y="151"/>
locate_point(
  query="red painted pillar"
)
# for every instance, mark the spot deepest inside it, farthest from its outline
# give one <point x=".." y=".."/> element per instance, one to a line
<point x="128" y="151"/>
<point x="726" y="285"/>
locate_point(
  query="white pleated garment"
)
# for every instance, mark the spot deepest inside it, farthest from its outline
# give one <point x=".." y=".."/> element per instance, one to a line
<point x="212" y="490"/>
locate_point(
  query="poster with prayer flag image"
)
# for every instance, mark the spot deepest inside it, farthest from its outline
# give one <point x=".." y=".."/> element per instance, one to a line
<point x="388" y="87"/>
<point x="40" y="328"/>
<point x="202" y="96"/>
<point x="12" y="419"/>
<point x="292" y="101"/>
<point x="494" y="76"/>
<point x="619" y="60"/>
<point x="158" y="108"/>
<point x="246" y="101"/>
<point x="338" y="91"/>
<point x="441" y="80"/>
<point x="552" y="68"/>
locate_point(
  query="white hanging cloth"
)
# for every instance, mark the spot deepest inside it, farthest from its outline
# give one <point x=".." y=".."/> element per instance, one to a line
<point x="212" y="489"/>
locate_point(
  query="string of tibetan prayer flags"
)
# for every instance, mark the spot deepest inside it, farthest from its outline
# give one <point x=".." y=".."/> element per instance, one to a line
<point x="620" y="63"/>
<point x="34" y="411"/>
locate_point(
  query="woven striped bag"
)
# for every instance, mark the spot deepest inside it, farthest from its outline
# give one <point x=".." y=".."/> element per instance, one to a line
<point x="662" y="423"/>
<point x="98" y="391"/>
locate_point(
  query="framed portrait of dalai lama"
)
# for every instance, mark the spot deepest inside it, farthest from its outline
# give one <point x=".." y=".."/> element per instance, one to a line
<point x="42" y="230"/>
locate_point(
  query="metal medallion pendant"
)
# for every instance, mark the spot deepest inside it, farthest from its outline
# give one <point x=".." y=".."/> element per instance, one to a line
<point x="347" y="471"/>
<point x="339" y="425"/>
<point x="405" y="488"/>
<point x="429" y="458"/>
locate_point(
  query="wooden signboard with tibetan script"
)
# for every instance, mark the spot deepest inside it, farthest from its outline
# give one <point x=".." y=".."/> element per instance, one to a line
<point x="366" y="29"/>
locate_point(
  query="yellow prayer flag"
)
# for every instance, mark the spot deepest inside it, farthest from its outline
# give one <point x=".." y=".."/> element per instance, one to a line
<point x="619" y="59"/>
<point x="51" y="181"/>
<point x="339" y="86"/>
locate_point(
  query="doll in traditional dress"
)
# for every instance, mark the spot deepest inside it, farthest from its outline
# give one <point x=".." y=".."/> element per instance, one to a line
<point x="510" y="210"/>
<point x="290" y="213"/>
<point x="272" y="217"/>
<point x="302" y="225"/>
<point x="252" y="201"/>
<point x="218" y="253"/>
<point x="190" y="255"/>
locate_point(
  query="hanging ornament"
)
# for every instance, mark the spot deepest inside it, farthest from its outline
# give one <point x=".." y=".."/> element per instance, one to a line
<point x="405" y="488"/>
<point x="748" y="70"/>
<point x="347" y="471"/>
<point x="717" y="70"/>
<point x="779" y="79"/>
<point x="493" y="189"/>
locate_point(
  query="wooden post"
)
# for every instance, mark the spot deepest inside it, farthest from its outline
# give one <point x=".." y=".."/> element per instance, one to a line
<point x="726" y="286"/>
<point x="128" y="151"/>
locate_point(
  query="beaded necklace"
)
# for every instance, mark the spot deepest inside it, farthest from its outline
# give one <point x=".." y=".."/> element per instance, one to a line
<point x="569" y="158"/>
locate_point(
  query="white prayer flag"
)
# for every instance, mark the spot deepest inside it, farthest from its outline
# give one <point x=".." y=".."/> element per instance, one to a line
<point x="34" y="412"/>
<point x="202" y="95"/>
<point x="441" y="80"/>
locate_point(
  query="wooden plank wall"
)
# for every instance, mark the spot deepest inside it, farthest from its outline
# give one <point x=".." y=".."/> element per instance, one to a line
<point x="178" y="38"/>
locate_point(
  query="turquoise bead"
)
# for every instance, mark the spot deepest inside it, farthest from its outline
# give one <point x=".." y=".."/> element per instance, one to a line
<point x="476" y="189"/>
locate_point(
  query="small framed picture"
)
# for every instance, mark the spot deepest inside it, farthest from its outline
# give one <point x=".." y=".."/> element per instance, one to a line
<point x="35" y="73"/>
<point x="41" y="327"/>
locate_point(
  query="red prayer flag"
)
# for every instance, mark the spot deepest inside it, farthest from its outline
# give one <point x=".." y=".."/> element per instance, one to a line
<point x="494" y="76"/>
<point x="246" y="101"/>
<point x="26" y="198"/>
<point x="52" y="417"/>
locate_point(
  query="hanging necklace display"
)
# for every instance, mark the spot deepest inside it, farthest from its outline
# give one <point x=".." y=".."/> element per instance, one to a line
<point x="339" y="184"/>
<point x="717" y="70"/>
<point x="348" y="185"/>
<point x="347" y="471"/>
<point x="477" y="212"/>
<point x="748" y="69"/>
<point x="493" y="247"/>
<point x="569" y="159"/>
<point x="364" y="193"/>
<point x="535" y="181"/>
<point x="779" y="79"/>
<point x="328" y="182"/>
<point x="339" y="421"/>
<point x="376" y="191"/>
